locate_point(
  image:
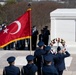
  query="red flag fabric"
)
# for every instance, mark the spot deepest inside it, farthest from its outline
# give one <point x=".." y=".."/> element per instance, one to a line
<point x="17" y="30"/>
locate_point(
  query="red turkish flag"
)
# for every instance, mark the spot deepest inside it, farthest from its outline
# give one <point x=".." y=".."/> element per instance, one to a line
<point x="17" y="30"/>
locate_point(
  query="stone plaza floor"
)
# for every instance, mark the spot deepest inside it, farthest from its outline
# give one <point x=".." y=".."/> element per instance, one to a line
<point x="21" y="59"/>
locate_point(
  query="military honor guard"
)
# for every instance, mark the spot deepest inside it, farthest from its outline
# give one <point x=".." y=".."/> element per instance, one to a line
<point x="49" y="69"/>
<point x="59" y="62"/>
<point x="39" y="57"/>
<point x="30" y="68"/>
<point x="46" y="34"/>
<point x="50" y="53"/>
<point x="11" y="69"/>
<point x="41" y="36"/>
<point x="34" y="37"/>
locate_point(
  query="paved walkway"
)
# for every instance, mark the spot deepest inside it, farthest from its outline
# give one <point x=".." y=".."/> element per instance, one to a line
<point x="21" y="55"/>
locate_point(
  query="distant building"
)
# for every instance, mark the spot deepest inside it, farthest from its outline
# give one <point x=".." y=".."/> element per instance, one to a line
<point x="47" y="0"/>
<point x="2" y="2"/>
<point x="44" y="0"/>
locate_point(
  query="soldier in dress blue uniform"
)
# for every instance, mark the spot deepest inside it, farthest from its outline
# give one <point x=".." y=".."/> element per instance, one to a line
<point x="20" y="44"/>
<point x="41" y="36"/>
<point x="49" y="69"/>
<point x="39" y="57"/>
<point x="34" y="37"/>
<point x="59" y="62"/>
<point x="49" y="52"/>
<point x="11" y="69"/>
<point x="30" y="68"/>
<point x="46" y="35"/>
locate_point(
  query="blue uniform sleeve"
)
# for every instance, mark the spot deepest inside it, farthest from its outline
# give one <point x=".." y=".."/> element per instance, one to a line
<point x="61" y="56"/>
<point x="35" y="68"/>
<point x="67" y="54"/>
<point x="19" y="71"/>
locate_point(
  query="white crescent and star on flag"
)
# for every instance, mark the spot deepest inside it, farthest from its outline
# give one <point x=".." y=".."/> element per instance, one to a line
<point x="19" y="27"/>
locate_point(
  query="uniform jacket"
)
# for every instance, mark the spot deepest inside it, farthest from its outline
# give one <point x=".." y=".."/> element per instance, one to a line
<point x="29" y="69"/>
<point x="49" y="70"/>
<point x="59" y="62"/>
<point x="11" y="70"/>
<point x="39" y="57"/>
<point x="34" y="35"/>
<point x="46" y="36"/>
<point x="50" y="55"/>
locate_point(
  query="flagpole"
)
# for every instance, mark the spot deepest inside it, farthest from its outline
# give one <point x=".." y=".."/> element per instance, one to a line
<point x="29" y="5"/>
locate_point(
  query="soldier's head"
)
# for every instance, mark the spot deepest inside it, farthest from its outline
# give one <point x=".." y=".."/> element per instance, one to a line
<point x="34" y="28"/>
<point x="47" y="49"/>
<point x="59" y="49"/>
<point x="11" y="60"/>
<point x="30" y="59"/>
<point x="48" y="59"/>
<point x="41" y="44"/>
<point x="42" y="31"/>
<point x="46" y="27"/>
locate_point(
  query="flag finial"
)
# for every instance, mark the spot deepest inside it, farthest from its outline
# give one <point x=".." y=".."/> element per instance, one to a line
<point x="29" y="4"/>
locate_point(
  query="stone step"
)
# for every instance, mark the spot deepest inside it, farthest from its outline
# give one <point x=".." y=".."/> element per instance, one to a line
<point x="69" y="73"/>
<point x="1" y="70"/>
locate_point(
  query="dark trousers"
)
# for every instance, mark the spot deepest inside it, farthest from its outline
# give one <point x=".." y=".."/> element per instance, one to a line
<point x="39" y="71"/>
<point x="8" y="47"/>
<point x="60" y="72"/>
